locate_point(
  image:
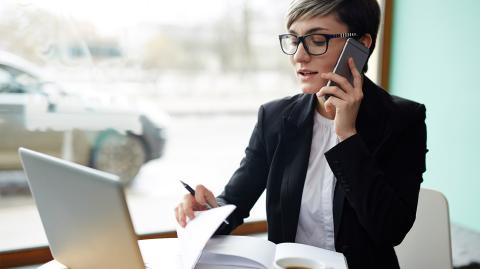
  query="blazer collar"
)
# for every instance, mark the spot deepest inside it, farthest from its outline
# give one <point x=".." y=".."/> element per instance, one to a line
<point x="371" y="117"/>
<point x="371" y="125"/>
<point x="296" y="140"/>
<point x="301" y="113"/>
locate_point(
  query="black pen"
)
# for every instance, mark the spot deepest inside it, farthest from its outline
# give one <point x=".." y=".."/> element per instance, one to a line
<point x="192" y="192"/>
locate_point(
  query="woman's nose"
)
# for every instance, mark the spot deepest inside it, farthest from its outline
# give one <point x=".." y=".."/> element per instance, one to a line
<point x="301" y="55"/>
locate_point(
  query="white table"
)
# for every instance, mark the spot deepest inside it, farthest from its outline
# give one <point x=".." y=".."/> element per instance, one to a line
<point x="165" y="253"/>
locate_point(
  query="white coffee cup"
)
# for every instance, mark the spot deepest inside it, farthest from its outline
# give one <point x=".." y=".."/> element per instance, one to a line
<point x="284" y="263"/>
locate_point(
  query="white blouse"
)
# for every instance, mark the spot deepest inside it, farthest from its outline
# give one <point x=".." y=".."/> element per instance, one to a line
<point x="315" y="223"/>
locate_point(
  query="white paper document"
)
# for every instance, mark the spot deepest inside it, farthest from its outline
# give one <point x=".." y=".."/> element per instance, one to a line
<point x="161" y="253"/>
<point x="198" y="231"/>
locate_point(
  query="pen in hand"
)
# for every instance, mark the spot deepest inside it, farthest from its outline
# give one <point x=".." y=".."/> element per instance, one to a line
<point x="192" y="192"/>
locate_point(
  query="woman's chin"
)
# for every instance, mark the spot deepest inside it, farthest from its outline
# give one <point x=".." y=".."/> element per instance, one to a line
<point x="309" y="90"/>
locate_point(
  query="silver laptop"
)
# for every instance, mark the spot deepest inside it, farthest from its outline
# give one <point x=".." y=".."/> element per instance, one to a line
<point x="84" y="213"/>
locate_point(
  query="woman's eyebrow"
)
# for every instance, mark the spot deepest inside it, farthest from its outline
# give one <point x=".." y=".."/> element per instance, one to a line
<point x="312" y="30"/>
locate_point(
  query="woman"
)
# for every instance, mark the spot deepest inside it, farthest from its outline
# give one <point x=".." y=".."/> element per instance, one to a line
<point x="342" y="174"/>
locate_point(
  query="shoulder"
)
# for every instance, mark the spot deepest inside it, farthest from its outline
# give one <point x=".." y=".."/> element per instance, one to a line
<point x="407" y="111"/>
<point x="282" y="104"/>
<point x="400" y="109"/>
<point x="381" y="110"/>
<point x="280" y="108"/>
<point x="271" y="115"/>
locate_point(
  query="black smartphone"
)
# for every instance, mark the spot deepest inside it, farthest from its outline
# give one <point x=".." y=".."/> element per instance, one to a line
<point x="358" y="52"/>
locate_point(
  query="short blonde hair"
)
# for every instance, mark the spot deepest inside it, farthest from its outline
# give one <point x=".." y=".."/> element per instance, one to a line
<point x="306" y="9"/>
<point x="360" y="16"/>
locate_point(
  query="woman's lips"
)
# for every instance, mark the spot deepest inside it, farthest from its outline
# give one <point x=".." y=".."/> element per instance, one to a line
<point x="306" y="74"/>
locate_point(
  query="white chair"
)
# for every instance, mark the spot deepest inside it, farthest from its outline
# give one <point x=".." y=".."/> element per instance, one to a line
<point x="428" y="243"/>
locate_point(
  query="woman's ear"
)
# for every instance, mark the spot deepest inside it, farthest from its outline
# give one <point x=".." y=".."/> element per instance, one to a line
<point x="366" y="40"/>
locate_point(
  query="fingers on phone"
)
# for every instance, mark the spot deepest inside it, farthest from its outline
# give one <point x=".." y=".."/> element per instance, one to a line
<point x="331" y="104"/>
<point x="351" y="62"/>
<point x="333" y="90"/>
<point x="357" y="77"/>
<point x="339" y="80"/>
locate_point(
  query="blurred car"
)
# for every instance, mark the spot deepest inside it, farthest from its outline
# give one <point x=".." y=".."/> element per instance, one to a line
<point x="40" y="115"/>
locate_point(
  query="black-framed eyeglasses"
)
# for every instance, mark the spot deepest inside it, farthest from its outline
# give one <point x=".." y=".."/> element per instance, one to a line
<point x="314" y="44"/>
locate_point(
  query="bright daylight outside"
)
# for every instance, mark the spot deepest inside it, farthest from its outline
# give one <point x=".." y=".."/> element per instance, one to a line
<point x="152" y="91"/>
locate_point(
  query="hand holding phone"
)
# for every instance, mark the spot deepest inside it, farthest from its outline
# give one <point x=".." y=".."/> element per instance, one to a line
<point x="358" y="52"/>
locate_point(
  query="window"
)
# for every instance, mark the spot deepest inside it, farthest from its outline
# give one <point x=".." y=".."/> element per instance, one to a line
<point x="98" y="67"/>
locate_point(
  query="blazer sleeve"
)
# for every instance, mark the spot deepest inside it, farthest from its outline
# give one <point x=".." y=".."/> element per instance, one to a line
<point x="385" y="200"/>
<point x="248" y="181"/>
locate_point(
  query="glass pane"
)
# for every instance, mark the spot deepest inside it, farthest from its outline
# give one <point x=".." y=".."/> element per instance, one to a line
<point x="153" y="91"/>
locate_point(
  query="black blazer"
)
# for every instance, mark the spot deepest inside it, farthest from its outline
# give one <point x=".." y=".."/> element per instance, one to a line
<point x="378" y="171"/>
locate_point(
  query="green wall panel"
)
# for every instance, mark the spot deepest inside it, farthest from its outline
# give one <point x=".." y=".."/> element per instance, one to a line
<point x="436" y="61"/>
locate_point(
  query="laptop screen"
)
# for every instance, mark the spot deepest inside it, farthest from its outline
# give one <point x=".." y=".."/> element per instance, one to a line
<point x="84" y="213"/>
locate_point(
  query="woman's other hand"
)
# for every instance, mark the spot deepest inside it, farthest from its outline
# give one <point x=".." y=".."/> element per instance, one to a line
<point x="203" y="200"/>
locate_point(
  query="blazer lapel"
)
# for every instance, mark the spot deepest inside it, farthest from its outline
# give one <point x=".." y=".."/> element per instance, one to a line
<point x="297" y="137"/>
